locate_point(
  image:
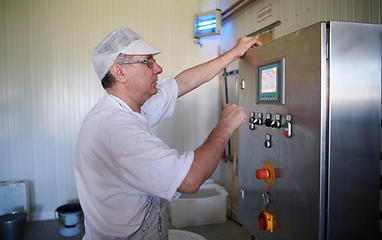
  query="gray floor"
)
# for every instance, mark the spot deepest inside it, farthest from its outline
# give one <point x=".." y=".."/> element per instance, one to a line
<point x="49" y="230"/>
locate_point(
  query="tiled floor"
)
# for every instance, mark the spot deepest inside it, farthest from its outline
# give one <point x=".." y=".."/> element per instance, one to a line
<point x="45" y="230"/>
<point x="221" y="231"/>
<point x="49" y="230"/>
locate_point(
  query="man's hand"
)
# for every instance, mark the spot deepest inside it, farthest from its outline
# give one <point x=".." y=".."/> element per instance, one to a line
<point x="193" y="77"/>
<point x="207" y="156"/>
<point x="244" y="44"/>
<point x="232" y="117"/>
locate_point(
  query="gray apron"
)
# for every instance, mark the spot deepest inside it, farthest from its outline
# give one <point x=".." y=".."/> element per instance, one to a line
<point x="155" y="225"/>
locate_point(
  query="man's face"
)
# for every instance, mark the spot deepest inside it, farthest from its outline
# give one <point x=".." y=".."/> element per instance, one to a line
<point x="143" y="77"/>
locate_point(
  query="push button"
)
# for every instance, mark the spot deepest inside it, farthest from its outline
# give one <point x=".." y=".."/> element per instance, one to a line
<point x="262" y="173"/>
<point x="267" y="173"/>
<point x="268" y="120"/>
<point x="288" y="126"/>
<point x="267" y="142"/>
<point x="259" y="119"/>
<point x="251" y="117"/>
<point x="277" y="122"/>
<point x="287" y="129"/>
<point x="252" y="121"/>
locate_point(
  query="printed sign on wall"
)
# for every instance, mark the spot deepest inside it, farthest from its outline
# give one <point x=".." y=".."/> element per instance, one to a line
<point x="264" y="13"/>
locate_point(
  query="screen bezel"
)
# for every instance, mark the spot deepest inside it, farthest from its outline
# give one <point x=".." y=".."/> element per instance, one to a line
<point x="272" y="97"/>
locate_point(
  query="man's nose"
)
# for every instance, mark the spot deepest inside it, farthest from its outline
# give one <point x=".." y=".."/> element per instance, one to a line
<point x="157" y="69"/>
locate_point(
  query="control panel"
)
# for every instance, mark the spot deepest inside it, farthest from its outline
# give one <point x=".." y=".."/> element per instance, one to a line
<point x="275" y="125"/>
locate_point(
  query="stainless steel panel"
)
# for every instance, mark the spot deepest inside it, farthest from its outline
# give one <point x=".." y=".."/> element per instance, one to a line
<point x="296" y="191"/>
<point x="317" y="167"/>
<point x="354" y="130"/>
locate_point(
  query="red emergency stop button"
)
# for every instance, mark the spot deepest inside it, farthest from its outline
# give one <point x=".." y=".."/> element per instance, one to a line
<point x="262" y="173"/>
<point x="267" y="173"/>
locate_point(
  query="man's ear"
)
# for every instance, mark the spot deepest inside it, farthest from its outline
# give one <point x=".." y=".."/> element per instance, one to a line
<point x="118" y="72"/>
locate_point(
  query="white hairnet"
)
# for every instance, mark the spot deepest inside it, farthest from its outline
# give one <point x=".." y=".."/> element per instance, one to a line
<point x="122" y="40"/>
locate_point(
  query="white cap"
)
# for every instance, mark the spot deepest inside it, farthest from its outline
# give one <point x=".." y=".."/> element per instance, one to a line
<point x="122" y="40"/>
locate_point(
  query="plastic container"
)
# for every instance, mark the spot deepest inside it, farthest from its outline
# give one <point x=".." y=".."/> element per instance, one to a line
<point x="207" y="206"/>
<point x="12" y="226"/>
<point x="70" y="217"/>
<point x="14" y="197"/>
<point x="183" y="235"/>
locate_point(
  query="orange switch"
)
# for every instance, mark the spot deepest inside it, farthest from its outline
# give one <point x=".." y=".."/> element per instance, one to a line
<point x="262" y="173"/>
<point x="266" y="221"/>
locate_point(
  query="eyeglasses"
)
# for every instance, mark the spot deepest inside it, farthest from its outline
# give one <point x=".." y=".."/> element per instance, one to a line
<point x="150" y="62"/>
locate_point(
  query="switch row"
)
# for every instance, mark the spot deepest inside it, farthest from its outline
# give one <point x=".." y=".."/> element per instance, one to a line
<point x="269" y="122"/>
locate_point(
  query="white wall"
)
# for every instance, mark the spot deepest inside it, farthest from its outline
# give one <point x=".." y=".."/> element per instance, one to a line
<point x="294" y="15"/>
<point x="48" y="84"/>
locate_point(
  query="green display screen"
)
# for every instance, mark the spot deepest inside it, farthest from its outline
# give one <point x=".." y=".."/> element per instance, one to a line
<point x="268" y="89"/>
<point x="270" y="82"/>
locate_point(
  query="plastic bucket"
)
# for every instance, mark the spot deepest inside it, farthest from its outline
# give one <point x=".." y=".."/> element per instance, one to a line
<point x="70" y="217"/>
<point x="12" y="226"/>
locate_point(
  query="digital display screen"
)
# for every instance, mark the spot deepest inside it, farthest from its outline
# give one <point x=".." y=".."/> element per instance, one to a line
<point x="270" y="82"/>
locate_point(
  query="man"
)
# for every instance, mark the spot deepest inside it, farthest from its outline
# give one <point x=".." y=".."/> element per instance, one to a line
<point x="125" y="175"/>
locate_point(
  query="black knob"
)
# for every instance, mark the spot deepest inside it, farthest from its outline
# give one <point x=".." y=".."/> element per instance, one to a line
<point x="268" y="122"/>
<point x="276" y="124"/>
